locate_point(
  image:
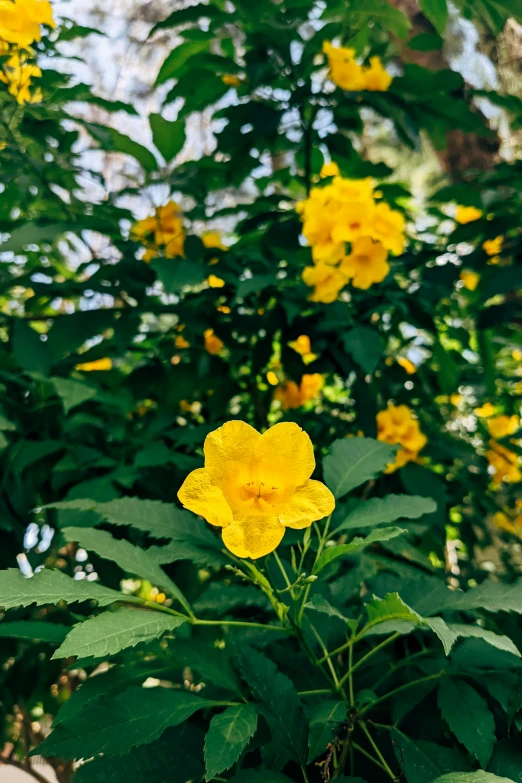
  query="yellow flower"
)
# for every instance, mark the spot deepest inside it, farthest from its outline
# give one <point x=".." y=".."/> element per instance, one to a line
<point x="376" y="78"/>
<point x="485" y="411"/>
<point x="231" y="80"/>
<point x="21" y="20"/>
<point x="405" y="363"/>
<point x="388" y="227"/>
<point x="503" y="522"/>
<point x="17" y="73"/>
<point x="517" y="355"/>
<point x="213" y="344"/>
<point x="396" y="425"/>
<point x="329" y="170"/>
<point x="215" y="282"/>
<point x="303" y="347"/>
<point x="502" y="426"/>
<point x="493" y="247"/>
<point x="98" y="365"/>
<point x="344" y="71"/>
<point x="213" y="239"/>
<point x="456" y="399"/>
<point x="224" y="309"/>
<point x="504" y="463"/>
<point x="255" y="486"/>
<point x="470" y="279"/>
<point x="327" y="280"/>
<point x="181" y="343"/>
<point x="290" y="395"/>
<point x="164" y="230"/>
<point x="465" y="215"/>
<point x="272" y="378"/>
<point x="366" y="264"/>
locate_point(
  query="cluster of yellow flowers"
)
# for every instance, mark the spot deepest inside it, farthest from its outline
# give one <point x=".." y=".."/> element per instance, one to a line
<point x="346" y="211"/>
<point x="397" y="425"/>
<point x="20" y="27"/>
<point x="162" y="232"/>
<point x="346" y="73"/>
<point x="504" y="462"/>
<point x="255" y="486"/>
<point x="290" y="395"/>
<point x="510" y="520"/>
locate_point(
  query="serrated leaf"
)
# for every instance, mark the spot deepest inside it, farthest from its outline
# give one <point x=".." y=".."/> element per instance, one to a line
<point x="278" y="701"/>
<point x="127" y="556"/>
<point x="391" y="608"/>
<point x="320" y="604"/>
<point x="34" y="630"/>
<point x="378" y="511"/>
<point x="136" y="717"/>
<point x="169" y="137"/>
<point x="73" y="393"/>
<point x="51" y="587"/>
<point x="352" y="461"/>
<point x="108" y="633"/>
<point x="332" y="553"/>
<point x="468" y="716"/>
<point x="417" y="766"/>
<point x="228" y="735"/>
<point x="503" y="643"/>
<point x="324" y="720"/>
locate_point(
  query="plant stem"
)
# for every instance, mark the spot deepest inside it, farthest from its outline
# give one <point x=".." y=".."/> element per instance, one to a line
<point x="376" y="749"/>
<point x="242" y="624"/>
<point x="350" y="676"/>
<point x="322" y="542"/>
<point x="320" y="692"/>
<point x="400" y="689"/>
<point x="366" y="657"/>
<point x="323" y="648"/>
<point x="283" y="571"/>
<point x="305" y="776"/>
<point x="368" y="755"/>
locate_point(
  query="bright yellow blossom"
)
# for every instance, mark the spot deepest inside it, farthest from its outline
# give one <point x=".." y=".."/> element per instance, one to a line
<point x="376" y="77"/>
<point x="213" y="345"/>
<point x="213" y="239"/>
<point x="456" y="399"/>
<point x="485" y="411"/>
<point x="465" y="215"/>
<point x="98" y="365"/>
<point x="224" y="309"/>
<point x="181" y="343"/>
<point x="329" y="170"/>
<point x="344" y="70"/>
<point x="303" y="347"/>
<point x="504" y="463"/>
<point x="292" y="396"/>
<point x="18" y="74"/>
<point x="272" y="378"/>
<point x="510" y="524"/>
<point x="493" y="247"/>
<point x="503" y="426"/>
<point x="327" y="280"/>
<point x="215" y="282"/>
<point x="162" y="231"/>
<point x="470" y="279"/>
<point x="21" y="20"/>
<point x="407" y="365"/>
<point x="255" y="486"/>
<point x="388" y="227"/>
<point x="366" y="264"/>
<point x="397" y="425"/>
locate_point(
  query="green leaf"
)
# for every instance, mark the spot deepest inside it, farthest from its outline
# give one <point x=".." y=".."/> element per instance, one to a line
<point x="437" y="13"/>
<point x="34" y="630"/>
<point x="29" y="351"/>
<point x="255" y="284"/>
<point x="352" y="461"/>
<point x="503" y="643"/>
<point x="228" y="736"/>
<point x="176" y="61"/>
<point x="320" y="604"/>
<point x="417" y="766"/>
<point x="136" y="717"/>
<point x="111" y="140"/>
<point x="51" y="587"/>
<point x="33" y="234"/>
<point x="366" y="346"/>
<point x="381" y="12"/>
<point x="468" y="716"/>
<point x="324" y="721"/>
<point x="176" y="274"/>
<point x="184" y="15"/>
<point x="73" y="393"/>
<point x="507" y="760"/>
<point x="279" y="703"/>
<point x="169" y="137"/>
<point x="332" y="553"/>
<point x="472" y="777"/>
<point x="108" y="633"/>
<point x="128" y="557"/>
<point x="426" y="42"/>
<point x="391" y="609"/>
<point x="378" y="511"/>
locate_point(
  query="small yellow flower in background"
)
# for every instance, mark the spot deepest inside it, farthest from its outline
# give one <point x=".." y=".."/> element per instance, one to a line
<point x="190" y="407"/>
<point x="21" y="20"/>
<point x="493" y="247"/>
<point x="346" y="73"/>
<point x="504" y="463"/>
<point x="470" y="279"/>
<point x="366" y="264"/>
<point x="329" y="170"/>
<point x="503" y="426"/>
<point x="213" y="345"/>
<point x="517" y="355"/>
<point x="485" y="411"/>
<point x="231" y="80"/>
<point x="397" y="426"/>
<point x="272" y="378"/>
<point x="292" y="396"/>
<point x="215" y="282"/>
<point x="303" y="347"/>
<point x="465" y="215"/>
<point x="18" y="74"/>
<point x="99" y="365"/>
<point x="224" y="309"/>
<point x="511" y="523"/>
<point x="181" y="343"/>
<point x="255" y="486"/>
<point x="327" y="280"/>
<point x="213" y="239"/>
<point x="162" y="231"/>
<point x="405" y="363"/>
<point x="456" y="399"/>
<point x="376" y="77"/>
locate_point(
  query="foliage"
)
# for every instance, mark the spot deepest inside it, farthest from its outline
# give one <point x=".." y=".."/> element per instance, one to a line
<point x="288" y="281"/>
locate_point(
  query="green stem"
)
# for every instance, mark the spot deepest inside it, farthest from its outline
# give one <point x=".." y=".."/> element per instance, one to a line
<point x="401" y="664"/>
<point x="320" y="692"/>
<point x="377" y="751"/>
<point x="350" y="676"/>
<point x="305" y="776"/>
<point x="241" y="624"/>
<point x="323" y="648"/>
<point x="368" y="755"/>
<point x="322" y="542"/>
<point x="366" y="657"/>
<point x="400" y="689"/>
<point x="283" y="571"/>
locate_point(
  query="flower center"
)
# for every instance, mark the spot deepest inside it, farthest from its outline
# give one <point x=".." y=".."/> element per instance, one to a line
<point x="257" y="493"/>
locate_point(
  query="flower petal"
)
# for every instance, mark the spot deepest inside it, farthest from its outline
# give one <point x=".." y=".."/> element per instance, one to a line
<point x="233" y="442"/>
<point x="253" y="536"/>
<point x="309" y="503"/>
<point x="200" y="495"/>
<point x="287" y="450"/>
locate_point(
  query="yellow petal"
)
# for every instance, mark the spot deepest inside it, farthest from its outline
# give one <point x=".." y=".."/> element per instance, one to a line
<point x="309" y="503"/>
<point x="288" y="450"/>
<point x="253" y="536"/>
<point x="200" y="495"/>
<point x="233" y="442"/>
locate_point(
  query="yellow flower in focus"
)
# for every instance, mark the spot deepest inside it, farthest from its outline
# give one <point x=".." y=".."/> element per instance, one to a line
<point x="470" y="279"/>
<point x="292" y="396"/>
<point x="344" y="71"/>
<point x="327" y="280"/>
<point x="215" y="282"/>
<point x="465" y="215"/>
<point x="255" y="486"/>
<point x="366" y="264"/>
<point x="405" y="363"/>
<point x="96" y="366"/>
<point x="213" y="345"/>
<point x="21" y="20"/>
<point x="485" y="411"/>
<point x="397" y="426"/>
<point x="504" y="463"/>
<point x="493" y="247"/>
<point x="272" y="378"/>
<point x="181" y="343"/>
<point x="231" y="80"/>
<point x="376" y="77"/>
<point x="329" y="170"/>
<point x="503" y="426"/>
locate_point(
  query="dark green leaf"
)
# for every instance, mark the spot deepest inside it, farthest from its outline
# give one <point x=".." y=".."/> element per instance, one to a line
<point x="468" y="716"/>
<point x="169" y="137"/>
<point x="228" y="735"/>
<point x="352" y="461"/>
